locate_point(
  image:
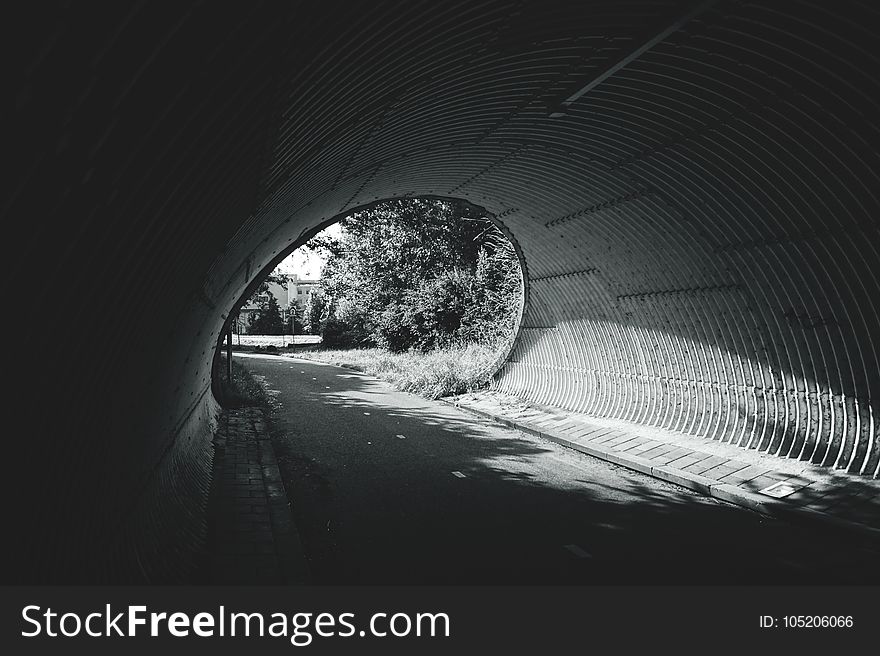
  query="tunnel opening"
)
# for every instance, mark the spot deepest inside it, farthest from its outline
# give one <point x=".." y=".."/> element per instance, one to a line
<point x="462" y="255"/>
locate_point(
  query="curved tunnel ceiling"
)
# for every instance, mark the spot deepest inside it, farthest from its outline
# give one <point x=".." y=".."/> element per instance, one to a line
<point x="693" y="187"/>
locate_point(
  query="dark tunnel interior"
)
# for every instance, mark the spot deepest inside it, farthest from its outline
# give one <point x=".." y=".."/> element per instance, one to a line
<point x="693" y="188"/>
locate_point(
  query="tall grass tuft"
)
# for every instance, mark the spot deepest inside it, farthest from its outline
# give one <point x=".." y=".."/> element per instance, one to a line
<point x="444" y="372"/>
<point x="243" y="391"/>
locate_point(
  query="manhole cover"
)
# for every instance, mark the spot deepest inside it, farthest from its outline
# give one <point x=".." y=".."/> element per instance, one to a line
<point x="778" y="490"/>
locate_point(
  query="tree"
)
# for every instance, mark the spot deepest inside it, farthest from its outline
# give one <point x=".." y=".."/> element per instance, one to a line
<point x="266" y="319"/>
<point x="419" y="274"/>
<point x="314" y="314"/>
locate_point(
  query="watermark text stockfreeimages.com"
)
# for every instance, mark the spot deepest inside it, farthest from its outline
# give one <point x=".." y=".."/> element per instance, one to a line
<point x="300" y="628"/>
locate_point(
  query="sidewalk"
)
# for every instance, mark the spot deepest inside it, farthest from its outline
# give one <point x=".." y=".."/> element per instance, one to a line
<point x="252" y="538"/>
<point x="781" y="487"/>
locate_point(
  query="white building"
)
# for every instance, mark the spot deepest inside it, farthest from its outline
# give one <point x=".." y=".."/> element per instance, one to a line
<point x="295" y="289"/>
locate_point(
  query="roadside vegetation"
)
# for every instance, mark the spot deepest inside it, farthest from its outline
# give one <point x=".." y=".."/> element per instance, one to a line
<point x="436" y="373"/>
<point x="416" y="275"/>
<point x="243" y="391"/>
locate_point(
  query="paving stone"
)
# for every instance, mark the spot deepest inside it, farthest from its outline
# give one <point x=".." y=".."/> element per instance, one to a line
<point x="687" y="460"/>
<point x="762" y="482"/>
<point x="806" y="495"/>
<point x="621" y="445"/>
<point x="720" y="471"/>
<point x="247" y="479"/>
<point x="704" y="465"/>
<point x="747" y="474"/>
<point x="641" y="446"/>
<point x="659" y="450"/>
<point x="637" y="446"/>
<point x="605" y="437"/>
<point x="662" y="460"/>
<point x="736" y="477"/>
<point x="867" y="513"/>
<point x="587" y="431"/>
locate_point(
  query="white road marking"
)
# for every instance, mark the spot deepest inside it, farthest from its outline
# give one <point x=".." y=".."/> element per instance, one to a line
<point x="402" y="437"/>
<point x="366" y="413"/>
<point x="458" y="473"/>
<point x="577" y="551"/>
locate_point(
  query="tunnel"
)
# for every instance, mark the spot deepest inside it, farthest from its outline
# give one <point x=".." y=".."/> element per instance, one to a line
<point x="692" y="186"/>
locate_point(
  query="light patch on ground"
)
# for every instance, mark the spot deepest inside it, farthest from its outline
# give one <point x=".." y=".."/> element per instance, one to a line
<point x="577" y="551"/>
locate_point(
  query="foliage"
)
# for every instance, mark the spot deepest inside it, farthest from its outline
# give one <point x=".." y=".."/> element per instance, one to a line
<point x="243" y="390"/>
<point x="266" y="319"/>
<point x="419" y="274"/>
<point x="314" y="313"/>
<point x="457" y="369"/>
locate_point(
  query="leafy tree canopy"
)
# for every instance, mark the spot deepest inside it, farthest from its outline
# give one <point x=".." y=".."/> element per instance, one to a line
<point x="418" y="274"/>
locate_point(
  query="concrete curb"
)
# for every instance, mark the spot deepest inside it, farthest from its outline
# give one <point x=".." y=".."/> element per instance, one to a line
<point x="289" y="549"/>
<point x="709" y="487"/>
<point x="351" y="367"/>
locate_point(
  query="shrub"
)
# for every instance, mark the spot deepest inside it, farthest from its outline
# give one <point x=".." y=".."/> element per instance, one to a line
<point x="456" y="369"/>
<point x="419" y="274"/>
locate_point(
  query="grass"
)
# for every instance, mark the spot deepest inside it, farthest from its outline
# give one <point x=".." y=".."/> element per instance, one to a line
<point x="244" y="389"/>
<point x="446" y="372"/>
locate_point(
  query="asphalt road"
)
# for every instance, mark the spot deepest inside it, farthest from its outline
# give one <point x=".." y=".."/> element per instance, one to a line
<point x="389" y="488"/>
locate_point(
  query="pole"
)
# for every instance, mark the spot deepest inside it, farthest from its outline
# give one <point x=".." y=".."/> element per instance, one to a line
<point x="229" y="354"/>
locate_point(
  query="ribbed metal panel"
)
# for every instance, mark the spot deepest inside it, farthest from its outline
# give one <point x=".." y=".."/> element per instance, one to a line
<point x="731" y="289"/>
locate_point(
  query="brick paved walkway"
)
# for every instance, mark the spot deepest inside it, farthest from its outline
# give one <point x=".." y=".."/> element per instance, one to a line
<point x="766" y="483"/>
<point x="252" y="538"/>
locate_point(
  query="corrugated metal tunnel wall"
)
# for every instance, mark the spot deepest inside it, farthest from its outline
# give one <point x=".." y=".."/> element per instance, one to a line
<point x="693" y="187"/>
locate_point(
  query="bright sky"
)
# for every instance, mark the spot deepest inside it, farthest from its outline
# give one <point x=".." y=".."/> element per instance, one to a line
<point x="305" y="263"/>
